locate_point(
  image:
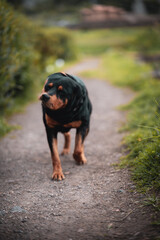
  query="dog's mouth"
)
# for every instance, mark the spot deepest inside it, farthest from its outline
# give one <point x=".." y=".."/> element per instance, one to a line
<point x="46" y="101"/>
<point x="55" y="106"/>
<point x="48" y="105"/>
<point x="52" y="102"/>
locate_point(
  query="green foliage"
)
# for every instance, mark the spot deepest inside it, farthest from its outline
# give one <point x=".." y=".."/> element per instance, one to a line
<point x="143" y="120"/>
<point x="144" y="158"/>
<point x="16" y="63"/>
<point x="124" y="71"/>
<point x="54" y="43"/>
<point x="97" y="42"/>
<point x="155" y="202"/>
<point x="4" y="127"/>
<point x="152" y="6"/>
<point x="148" y="40"/>
<point x="15" y="57"/>
<point x="118" y="49"/>
<point x="144" y="140"/>
<point x="25" y="50"/>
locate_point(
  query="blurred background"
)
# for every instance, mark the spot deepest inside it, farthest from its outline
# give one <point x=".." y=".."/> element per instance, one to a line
<point x="40" y="37"/>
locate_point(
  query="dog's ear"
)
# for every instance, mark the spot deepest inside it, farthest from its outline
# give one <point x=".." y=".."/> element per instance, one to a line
<point x="79" y="93"/>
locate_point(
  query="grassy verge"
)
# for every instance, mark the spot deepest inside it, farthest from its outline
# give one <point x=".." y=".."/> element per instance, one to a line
<point x="120" y="66"/>
<point x="143" y="120"/>
<point x="17" y="105"/>
<point x="29" y="53"/>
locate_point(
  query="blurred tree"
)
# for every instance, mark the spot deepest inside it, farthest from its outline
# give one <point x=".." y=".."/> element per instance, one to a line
<point x="16" y="3"/>
<point x="153" y="6"/>
<point x="139" y="7"/>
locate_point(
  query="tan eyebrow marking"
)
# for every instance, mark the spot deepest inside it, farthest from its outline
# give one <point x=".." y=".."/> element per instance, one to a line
<point x="50" y="84"/>
<point x="60" y="87"/>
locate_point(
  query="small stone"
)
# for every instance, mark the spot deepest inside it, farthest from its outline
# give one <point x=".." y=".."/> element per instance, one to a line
<point x="2" y="212"/>
<point x="80" y="230"/>
<point x="121" y="190"/>
<point x="117" y="210"/>
<point x="17" y="231"/>
<point x="137" y="233"/>
<point x="17" y="209"/>
<point x="24" y="220"/>
<point x="52" y="195"/>
<point x="56" y="214"/>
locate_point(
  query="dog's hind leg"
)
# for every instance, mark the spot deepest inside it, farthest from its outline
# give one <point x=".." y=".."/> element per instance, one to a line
<point x="67" y="143"/>
<point x="79" y="148"/>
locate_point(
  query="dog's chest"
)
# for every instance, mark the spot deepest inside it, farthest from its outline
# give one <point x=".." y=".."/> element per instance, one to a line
<point x="52" y="123"/>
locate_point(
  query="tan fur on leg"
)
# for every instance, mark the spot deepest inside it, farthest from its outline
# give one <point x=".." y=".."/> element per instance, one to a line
<point x="67" y="143"/>
<point x="79" y="151"/>
<point x="57" y="169"/>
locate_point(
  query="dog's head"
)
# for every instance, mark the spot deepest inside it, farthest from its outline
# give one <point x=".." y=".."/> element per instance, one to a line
<point x="59" y="90"/>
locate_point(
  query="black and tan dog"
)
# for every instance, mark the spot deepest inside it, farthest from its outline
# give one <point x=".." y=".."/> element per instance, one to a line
<point x="65" y="105"/>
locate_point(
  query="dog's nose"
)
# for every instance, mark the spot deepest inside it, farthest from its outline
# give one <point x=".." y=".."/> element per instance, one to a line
<point x="45" y="97"/>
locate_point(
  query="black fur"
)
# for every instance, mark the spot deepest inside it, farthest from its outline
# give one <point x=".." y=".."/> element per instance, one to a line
<point x="78" y="108"/>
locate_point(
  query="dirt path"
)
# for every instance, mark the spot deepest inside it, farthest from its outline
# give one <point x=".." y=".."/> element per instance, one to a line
<point x="95" y="201"/>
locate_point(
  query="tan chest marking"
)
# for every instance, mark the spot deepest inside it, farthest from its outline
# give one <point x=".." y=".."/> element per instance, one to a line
<point x="74" y="124"/>
<point x="51" y="122"/>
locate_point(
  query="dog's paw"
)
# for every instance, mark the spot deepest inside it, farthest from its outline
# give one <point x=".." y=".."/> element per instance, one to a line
<point x="65" y="151"/>
<point x="58" y="175"/>
<point x="80" y="158"/>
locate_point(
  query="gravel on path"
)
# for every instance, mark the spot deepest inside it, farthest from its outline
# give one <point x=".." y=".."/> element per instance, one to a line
<point x="95" y="201"/>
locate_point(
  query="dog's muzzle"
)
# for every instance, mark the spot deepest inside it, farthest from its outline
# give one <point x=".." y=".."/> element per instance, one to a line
<point x="44" y="97"/>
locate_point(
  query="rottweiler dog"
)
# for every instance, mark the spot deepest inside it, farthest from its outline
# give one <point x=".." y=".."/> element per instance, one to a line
<point x="65" y="105"/>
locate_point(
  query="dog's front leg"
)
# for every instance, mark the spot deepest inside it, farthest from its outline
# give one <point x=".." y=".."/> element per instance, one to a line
<point x="57" y="169"/>
<point x="79" y="146"/>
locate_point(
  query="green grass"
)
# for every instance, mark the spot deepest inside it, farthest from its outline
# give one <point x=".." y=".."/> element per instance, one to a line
<point x="118" y="50"/>
<point x="5" y="127"/>
<point x="97" y="42"/>
<point x="143" y="119"/>
<point x="17" y="105"/>
<point x="120" y="69"/>
<point x="27" y="53"/>
<point x="119" y="66"/>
